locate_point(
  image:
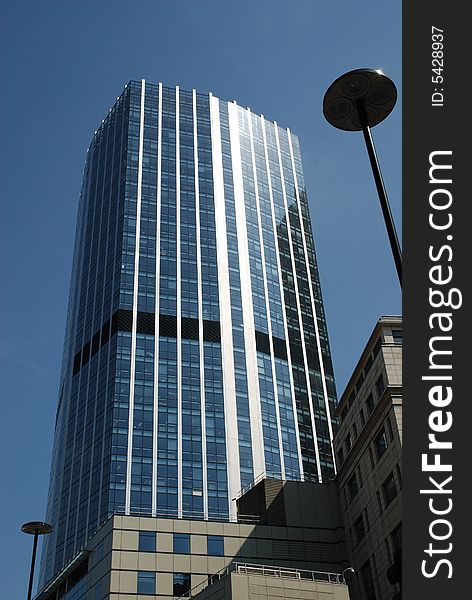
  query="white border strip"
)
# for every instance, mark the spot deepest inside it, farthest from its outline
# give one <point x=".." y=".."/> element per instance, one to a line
<point x="266" y="296"/>
<point x="179" y="305"/>
<point x="135" y="306"/>
<point x="246" y="296"/>
<point x="157" y="304"/>
<point x="231" y="415"/>
<point x="200" y="307"/>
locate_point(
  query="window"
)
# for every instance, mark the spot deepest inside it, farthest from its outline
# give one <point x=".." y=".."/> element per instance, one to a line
<point x="341" y="456"/>
<point x="379" y="502"/>
<point x="380" y="386"/>
<point x="353" y="486"/>
<point x="348" y="442"/>
<point x="380" y="444"/>
<point x="146" y="582"/>
<point x="182" y="543"/>
<point x="396" y="536"/>
<point x="387" y="551"/>
<point x="181" y="584"/>
<point x="215" y="545"/>
<point x="399" y="475"/>
<point x="359" y="529"/>
<point x="368" y="364"/>
<point x="354" y="431"/>
<point x="369" y="404"/>
<point x="397" y="336"/>
<point x="352" y="397"/>
<point x="371" y="456"/>
<point x="378" y="345"/>
<point x="147" y="541"/>
<point x="362" y="417"/>
<point x="366" y="518"/>
<point x="368" y="582"/>
<point x="359" y="382"/>
<point x="389" y="489"/>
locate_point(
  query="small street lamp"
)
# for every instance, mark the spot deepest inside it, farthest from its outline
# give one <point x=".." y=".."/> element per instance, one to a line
<point x="357" y="101"/>
<point x="347" y="570"/>
<point x="35" y="528"/>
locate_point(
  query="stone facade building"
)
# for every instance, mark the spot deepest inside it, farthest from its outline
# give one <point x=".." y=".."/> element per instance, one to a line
<point x="368" y="446"/>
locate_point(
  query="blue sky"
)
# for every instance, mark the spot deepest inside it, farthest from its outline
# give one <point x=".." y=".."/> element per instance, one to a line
<point x="64" y="63"/>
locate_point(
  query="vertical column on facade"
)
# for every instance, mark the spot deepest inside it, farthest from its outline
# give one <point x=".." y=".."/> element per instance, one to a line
<point x="266" y="294"/>
<point x="135" y="307"/>
<point x="300" y="321"/>
<point x="179" y="305"/>
<point x="89" y="393"/>
<point x="157" y="308"/>
<point x="71" y="524"/>
<point x="284" y="314"/>
<point x="246" y="295"/>
<point x="102" y="357"/>
<point x="167" y="434"/>
<point x="231" y="427"/>
<point x="312" y="297"/>
<point x="104" y="498"/>
<point x="200" y="309"/>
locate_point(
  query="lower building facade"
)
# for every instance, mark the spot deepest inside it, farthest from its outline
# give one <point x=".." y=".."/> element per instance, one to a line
<point x="368" y="447"/>
<point x="252" y="582"/>
<point x="138" y="558"/>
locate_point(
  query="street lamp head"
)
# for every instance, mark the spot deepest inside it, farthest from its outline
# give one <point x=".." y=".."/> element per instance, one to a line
<point x="36" y="528"/>
<point x="347" y="570"/>
<point x="367" y="87"/>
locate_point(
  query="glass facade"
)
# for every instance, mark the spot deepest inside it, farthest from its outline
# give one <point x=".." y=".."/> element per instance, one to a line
<point x="196" y="355"/>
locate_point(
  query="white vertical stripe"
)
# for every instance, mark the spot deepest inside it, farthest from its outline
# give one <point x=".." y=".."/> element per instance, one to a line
<point x="312" y="297"/>
<point x="246" y="295"/>
<point x="200" y="307"/>
<point x="157" y="305"/>
<point x="266" y="296"/>
<point x="300" y="321"/>
<point x="135" y="306"/>
<point x="281" y="289"/>
<point x="231" y="420"/>
<point x="179" y="304"/>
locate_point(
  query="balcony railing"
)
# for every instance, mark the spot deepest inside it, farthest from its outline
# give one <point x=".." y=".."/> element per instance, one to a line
<point x="266" y="571"/>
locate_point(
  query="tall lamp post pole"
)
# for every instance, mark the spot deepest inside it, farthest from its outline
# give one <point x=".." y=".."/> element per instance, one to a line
<point x="357" y="101"/>
<point x="35" y="528"/>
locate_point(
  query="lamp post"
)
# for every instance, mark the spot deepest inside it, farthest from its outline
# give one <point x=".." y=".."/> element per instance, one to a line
<point x="357" y="101"/>
<point x="35" y="528"/>
<point x="347" y="570"/>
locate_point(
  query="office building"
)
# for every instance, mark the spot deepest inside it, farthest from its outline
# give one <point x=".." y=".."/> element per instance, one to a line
<point x="196" y="355"/>
<point x="368" y="448"/>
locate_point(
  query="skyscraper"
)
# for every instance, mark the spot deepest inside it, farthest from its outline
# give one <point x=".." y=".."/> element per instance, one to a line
<point x="196" y="355"/>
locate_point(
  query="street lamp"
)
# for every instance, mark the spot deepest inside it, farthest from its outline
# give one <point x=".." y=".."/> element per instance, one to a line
<point x="347" y="570"/>
<point x="357" y="101"/>
<point x="35" y="528"/>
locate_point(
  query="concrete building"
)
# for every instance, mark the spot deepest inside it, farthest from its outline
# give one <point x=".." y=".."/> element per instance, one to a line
<point x="368" y="446"/>
<point x="292" y="542"/>
<point x="196" y="354"/>
<point x="253" y="582"/>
